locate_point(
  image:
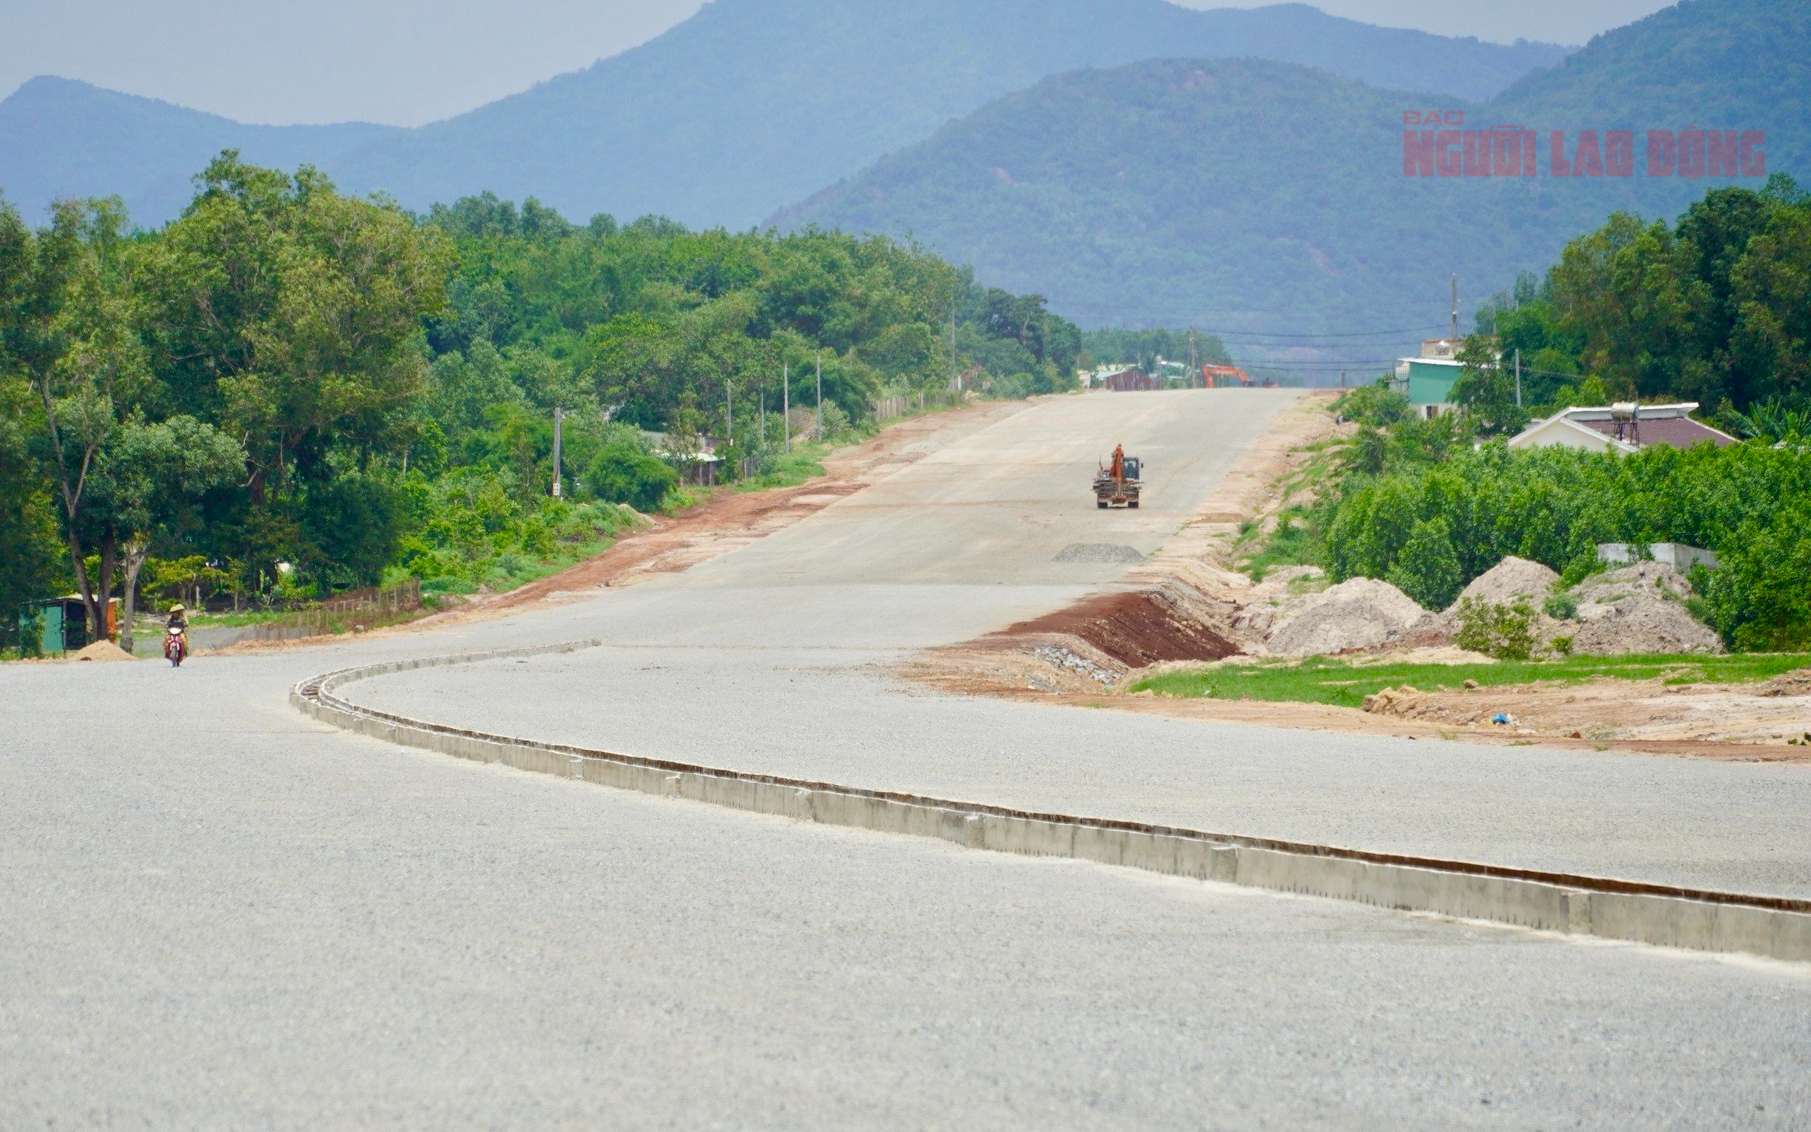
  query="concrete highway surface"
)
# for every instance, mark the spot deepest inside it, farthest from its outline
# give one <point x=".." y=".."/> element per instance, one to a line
<point x="215" y="912"/>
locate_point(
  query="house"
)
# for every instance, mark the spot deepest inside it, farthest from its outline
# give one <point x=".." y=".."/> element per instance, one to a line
<point x="1621" y="428"/>
<point x="1127" y="379"/>
<point x="1429" y="384"/>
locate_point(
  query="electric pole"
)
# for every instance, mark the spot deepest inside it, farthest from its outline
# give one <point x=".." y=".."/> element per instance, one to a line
<point x="786" y="403"/>
<point x="1194" y="366"/>
<point x="1455" y="311"/>
<point x="820" y="397"/>
<point x="559" y="416"/>
<point x="955" y="380"/>
<point x="1518" y="377"/>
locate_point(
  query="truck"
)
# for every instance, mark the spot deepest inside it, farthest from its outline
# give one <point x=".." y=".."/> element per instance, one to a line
<point x="1116" y="482"/>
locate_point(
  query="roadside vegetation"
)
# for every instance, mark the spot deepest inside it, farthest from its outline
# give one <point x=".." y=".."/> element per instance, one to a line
<point x="305" y="392"/>
<point x="1322" y="680"/>
<point x="1711" y="309"/>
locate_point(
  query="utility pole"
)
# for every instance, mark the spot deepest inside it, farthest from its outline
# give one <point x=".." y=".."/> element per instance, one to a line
<point x="1455" y="310"/>
<point x="763" y="418"/>
<point x="786" y="403"/>
<point x="820" y="397"/>
<point x="1518" y="377"/>
<point x="955" y="380"/>
<point x="1194" y="363"/>
<point x="729" y="413"/>
<point x="559" y="416"/>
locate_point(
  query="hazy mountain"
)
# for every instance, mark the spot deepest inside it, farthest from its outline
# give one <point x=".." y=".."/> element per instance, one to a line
<point x="1249" y="195"/>
<point x="738" y="111"/>
<point x="61" y="138"/>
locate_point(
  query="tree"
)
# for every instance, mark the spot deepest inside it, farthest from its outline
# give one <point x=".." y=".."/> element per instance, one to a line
<point x="148" y="484"/>
<point x="289" y="315"/>
<point x="79" y="343"/>
<point x="28" y="545"/>
<point x="1428" y="569"/>
<point x="1487" y="389"/>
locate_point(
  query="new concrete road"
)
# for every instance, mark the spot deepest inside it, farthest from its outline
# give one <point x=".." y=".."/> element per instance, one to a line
<point x="214" y="912"/>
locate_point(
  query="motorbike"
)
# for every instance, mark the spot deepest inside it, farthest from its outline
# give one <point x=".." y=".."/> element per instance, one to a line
<point x="175" y="646"/>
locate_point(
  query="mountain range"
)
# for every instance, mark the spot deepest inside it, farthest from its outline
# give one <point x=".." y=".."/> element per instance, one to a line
<point x="1263" y="199"/>
<point x="744" y="109"/>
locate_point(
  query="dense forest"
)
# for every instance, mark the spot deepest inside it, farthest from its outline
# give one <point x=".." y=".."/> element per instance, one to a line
<point x="1715" y="308"/>
<point x="289" y="391"/>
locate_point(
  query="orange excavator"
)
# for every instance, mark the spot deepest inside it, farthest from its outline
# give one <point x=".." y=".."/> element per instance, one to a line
<point x="1116" y="484"/>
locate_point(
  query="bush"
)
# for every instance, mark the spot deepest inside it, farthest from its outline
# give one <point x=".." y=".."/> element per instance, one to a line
<point x="623" y="473"/>
<point x="1504" y="631"/>
<point x="1428" y="569"/>
<point x="1759" y="596"/>
<point x="1561" y="607"/>
<point x="1374" y="405"/>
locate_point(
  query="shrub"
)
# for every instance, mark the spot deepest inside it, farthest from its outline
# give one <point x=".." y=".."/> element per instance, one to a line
<point x="1561" y="607"/>
<point x="623" y="473"/>
<point x="1428" y="569"/>
<point x="1375" y="405"/>
<point x="1504" y="631"/>
<point x="1759" y="596"/>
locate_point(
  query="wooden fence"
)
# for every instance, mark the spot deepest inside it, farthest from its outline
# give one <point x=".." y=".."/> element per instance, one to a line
<point x="892" y="408"/>
<point x="325" y="617"/>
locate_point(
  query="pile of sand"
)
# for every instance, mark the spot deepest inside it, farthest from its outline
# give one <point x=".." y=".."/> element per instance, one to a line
<point x="1359" y="613"/>
<point x="1599" y="593"/>
<point x="103" y="650"/>
<point x="1502" y="584"/>
<point x="1509" y="579"/>
<point x="1638" y="609"/>
<point x="1642" y="623"/>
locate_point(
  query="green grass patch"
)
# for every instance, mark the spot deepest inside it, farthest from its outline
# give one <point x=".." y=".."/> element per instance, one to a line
<point x="790" y="469"/>
<point x="1320" y="680"/>
<point x="1293" y="543"/>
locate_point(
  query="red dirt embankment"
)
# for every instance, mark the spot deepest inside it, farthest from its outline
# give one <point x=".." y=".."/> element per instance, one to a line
<point x="1136" y="629"/>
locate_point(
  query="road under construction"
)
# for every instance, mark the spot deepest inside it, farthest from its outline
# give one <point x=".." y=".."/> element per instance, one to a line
<point x="223" y="911"/>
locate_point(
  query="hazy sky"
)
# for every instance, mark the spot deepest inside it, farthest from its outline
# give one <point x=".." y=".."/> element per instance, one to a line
<point x="411" y="61"/>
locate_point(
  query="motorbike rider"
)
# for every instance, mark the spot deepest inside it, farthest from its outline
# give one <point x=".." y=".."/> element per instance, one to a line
<point x="179" y="621"/>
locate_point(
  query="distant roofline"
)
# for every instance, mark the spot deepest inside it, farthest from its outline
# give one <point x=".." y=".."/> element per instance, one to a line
<point x="1677" y="410"/>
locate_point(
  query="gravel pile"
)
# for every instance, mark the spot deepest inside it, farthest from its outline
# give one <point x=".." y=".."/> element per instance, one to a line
<point x="1102" y="553"/>
<point x="1359" y="613"/>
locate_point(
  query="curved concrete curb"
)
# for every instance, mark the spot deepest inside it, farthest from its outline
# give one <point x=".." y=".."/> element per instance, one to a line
<point x="1706" y="920"/>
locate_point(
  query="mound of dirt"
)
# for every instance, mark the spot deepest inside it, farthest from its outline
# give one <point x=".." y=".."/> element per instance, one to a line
<point x="103" y="651"/>
<point x="1359" y="613"/>
<point x="1643" y="623"/>
<point x="1597" y="594"/>
<point x="1136" y="629"/>
<point x="1509" y="579"/>
<point x="1794" y="683"/>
